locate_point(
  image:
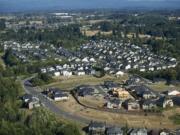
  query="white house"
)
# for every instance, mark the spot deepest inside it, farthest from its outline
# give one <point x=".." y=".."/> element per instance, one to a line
<point x="66" y="73"/>
<point x="50" y="69"/>
<point x="85" y="59"/>
<point x="80" y="72"/>
<point x="60" y="97"/>
<point x="142" y="69"/>
<point x="57" y="73"/>
<point x="151" y="68"/>
<point x="128" y="67"/>
<point x="119" y="73"/>
<point x="43" y="70"/>
<point x="58" y="67"/>
<point x="92" y="60"/>
<point x="173" y="93"/>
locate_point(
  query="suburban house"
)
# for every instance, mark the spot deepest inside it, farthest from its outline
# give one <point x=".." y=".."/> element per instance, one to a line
<point x="60" y="97"/>
<point x="80" y="72"/>
<point x="96" y="128"/>
<point x="57" y="73"/>
<point x="114" y="104"/>
<point x="66" y="73"/>
<point x="30" y="102"/>
<point x="149" y="104"/>
<point x="143" y="91"/>
<point x="56" y="94"/>
<point x="140" y="131"/>
<point x="121" y="93"/>
<point x="26" y="98"/>
<point x="84" y="91"/>
<point x="176" y="100"/>
<point x="164" y="132"/>
<point x="137" y="80"/>
<point x="132" y="105"/>
<point x="110" y="85"/>
<point x="119" y="73"/>
<point x="172" y="93"/>
<point x="33" y="103"/>
<point x="165" y="102"/>
<point x="114" y="131"/>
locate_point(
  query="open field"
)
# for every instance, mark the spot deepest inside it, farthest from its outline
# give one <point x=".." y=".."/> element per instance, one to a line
<point x="162" y="87"/>
<point x="74" y="81"/>
<point x="94" y="32"/>
<point x="93" y="101"/>
<point x="90" y="32"/>
<point x="97" y="21"/>
<point x="121" y="119"/>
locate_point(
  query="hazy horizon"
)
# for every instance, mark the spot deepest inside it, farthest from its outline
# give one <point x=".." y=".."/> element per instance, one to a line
<point x="43" y="5"/>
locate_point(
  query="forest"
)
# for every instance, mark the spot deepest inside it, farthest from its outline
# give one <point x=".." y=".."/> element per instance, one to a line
<point x="14" y="120"/>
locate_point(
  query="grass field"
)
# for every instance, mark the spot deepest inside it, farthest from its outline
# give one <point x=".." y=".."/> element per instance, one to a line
<point x="65" y="83"/>
<point x="176" y="119"/>
<point x="162" y="87"/>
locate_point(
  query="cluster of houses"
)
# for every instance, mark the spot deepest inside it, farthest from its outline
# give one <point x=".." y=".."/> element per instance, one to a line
<point x="69" y="70"/>
<point x="54" y="94"/>
<point x="113" y="57"/>
<point x="99" y="128"/>
<point x="134" y="95"/>
<point x="26" y="52"/>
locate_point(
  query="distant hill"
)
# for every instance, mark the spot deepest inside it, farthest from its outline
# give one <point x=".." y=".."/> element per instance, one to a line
<point x="34" y="5"/>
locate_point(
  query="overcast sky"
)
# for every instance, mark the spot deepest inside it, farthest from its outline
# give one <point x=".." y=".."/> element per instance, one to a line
<point x="31" y="5"/>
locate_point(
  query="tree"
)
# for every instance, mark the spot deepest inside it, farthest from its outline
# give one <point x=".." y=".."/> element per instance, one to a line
<point x="10" y="59"/>
<point x="105" y="26"/>
<point x="2" y="24"/>
<point x="41" y="122"/>
<point x="68" y="129"/>
<point x="41" y="79"/>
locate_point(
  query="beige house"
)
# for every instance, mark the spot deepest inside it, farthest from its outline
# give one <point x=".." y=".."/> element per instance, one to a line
<point x="121" y="93"/>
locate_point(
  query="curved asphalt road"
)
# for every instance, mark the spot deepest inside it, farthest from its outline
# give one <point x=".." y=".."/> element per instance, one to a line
<point x="51" y="106"/>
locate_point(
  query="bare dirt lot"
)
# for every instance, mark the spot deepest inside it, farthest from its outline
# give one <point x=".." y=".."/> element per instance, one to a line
<point x="120" y="119"/>
<point x="93" y="101"/>
<point x="94" y="32"/>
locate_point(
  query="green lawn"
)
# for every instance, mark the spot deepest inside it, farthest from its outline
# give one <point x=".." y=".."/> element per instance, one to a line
<point x="176" y="119"/>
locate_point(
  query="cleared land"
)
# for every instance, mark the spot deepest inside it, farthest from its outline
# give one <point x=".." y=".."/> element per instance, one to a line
<point x="162" y="87"/>
<point x="97" y="21"/>
<point x="74" y="81"/>
<point x="94" y="32"/>
<point x="93" y="101"/>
